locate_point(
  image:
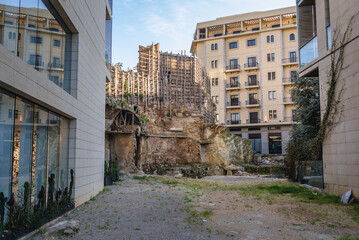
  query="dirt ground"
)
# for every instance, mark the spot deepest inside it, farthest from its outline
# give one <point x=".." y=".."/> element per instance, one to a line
<point x="168" y="208"/>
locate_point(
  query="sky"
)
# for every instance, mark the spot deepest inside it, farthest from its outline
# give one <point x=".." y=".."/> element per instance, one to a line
<point x="172" y="23"/>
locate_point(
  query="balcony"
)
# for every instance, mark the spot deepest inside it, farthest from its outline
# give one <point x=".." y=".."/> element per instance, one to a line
<point x="290" y="61"/>
<point x="234" y="104"/>
<point x="233" y="86"/>
<point x="309" y="52"/>
<point x="36" y="64"/>
<point x="233" y="68"/>
<point x="56" y="66"/>
<point x="251" y="66"/>
<point x="252" y="103"/>
<point x="288" y="100"/>
<point x="252" y="84"/>
<point x="253" y="120"/>
<point x="289" y="119"/>
<point x="288" y="81"/>
<point x="233" y="122"/>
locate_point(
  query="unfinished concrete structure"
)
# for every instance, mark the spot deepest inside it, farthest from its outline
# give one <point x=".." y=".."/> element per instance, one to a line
<point x="163" y="81"/>
<point x="161" y="116"/>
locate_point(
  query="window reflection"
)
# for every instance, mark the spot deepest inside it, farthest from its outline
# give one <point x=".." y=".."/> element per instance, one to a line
<point x="33" y="146"/>
<point x="7" y="106"/>
<point x="29" y="30"/>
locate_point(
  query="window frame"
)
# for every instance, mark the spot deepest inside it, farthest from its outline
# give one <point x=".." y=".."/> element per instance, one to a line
<point x="252" y="40"/>
<point x="233" y="42"/>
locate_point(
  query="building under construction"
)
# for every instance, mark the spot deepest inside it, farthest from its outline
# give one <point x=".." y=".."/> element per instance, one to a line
<point x="163" y="81"/>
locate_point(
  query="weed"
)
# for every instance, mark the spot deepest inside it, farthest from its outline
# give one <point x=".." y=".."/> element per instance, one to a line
<point x="207" y="213"/>
<point x="348" y="237"/>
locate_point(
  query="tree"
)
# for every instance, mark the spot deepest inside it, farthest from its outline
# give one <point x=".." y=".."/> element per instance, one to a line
<point x="303" y="134"/>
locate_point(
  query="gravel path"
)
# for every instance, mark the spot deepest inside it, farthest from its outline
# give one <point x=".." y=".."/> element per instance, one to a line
<point x="139" y="209"/>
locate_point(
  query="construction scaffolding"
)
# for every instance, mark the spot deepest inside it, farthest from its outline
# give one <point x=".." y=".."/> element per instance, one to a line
<point x="163" y="80"/>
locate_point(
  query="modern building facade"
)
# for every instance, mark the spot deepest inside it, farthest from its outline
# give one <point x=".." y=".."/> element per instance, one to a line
<point x="321" y="23"/>
<point x="52" y="95"/>
<point x="252" y="61"/>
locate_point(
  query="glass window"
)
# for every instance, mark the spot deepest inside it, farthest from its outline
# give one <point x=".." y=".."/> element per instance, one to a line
<point x="251" y="42"/>
<point x="269" y="76"/>
<point x="273" y="57"/>
<point x="268" y="39"/>
<point x="7" y="107"/>
<point x="273" y="75"/>
<point x="57" y="43"/>
<point x="292" y="37"/>
<point x="45" y="36"/>
<point x="24" y="120"/>
<point x="33" y="145"/>
<point x="41" y="126"/>
<point x="272" y="38"/>
<point x="54" y="144"/>
<point x="233" y="45"/>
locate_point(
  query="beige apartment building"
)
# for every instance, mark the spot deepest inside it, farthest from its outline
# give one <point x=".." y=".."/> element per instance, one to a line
<point x="252" y="61"/>
<point x="320" y="21"/>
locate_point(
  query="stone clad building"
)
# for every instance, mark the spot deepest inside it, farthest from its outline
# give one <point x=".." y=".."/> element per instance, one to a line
<point x="252" y="60"/>
<point x="52" y="94"/>
<point x="322" y="24"/>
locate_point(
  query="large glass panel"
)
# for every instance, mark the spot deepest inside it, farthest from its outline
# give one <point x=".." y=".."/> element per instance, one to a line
<point x="9" y="18"/>
<point x="309" y="52"/>
<point x="64" y="160"/>
<point x="41" y="150"/>
<point x="54" y="148"/>
<point x="24" y="127"/>
<point x="38" y="36"/>
<point x="7" y="104"/>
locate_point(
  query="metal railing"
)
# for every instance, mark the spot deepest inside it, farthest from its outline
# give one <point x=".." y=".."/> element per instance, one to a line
<point x="252" y="102"/>
<point x="233" y="85"/>
<point x="288" y="80"/>
<point x="251" y="121"/>
<point x="288" y="100"/>
<point x="251" y="65"/>
<point x="233" y="122"/>
<point x="234" y="103"/>
<point x="252" y="83"/>
<point x="290" y="60"/>
<point x="36" y="63"/>
<point x="233" y="67"/>
<point x="55" y="65"/>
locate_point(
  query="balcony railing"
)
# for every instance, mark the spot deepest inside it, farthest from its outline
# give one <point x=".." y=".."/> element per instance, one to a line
<point x="288" y="100"/>
<point x="252" y="83"/>
<point x="308" y="52"/>
<point x="233" y="122"/>
<point x="288" y="80"/>
<point x="251" y="121"/>
<point x="252" y="102"/>
<point x="290" y="60"/>
<point x="234" y="85"/>
<point x="233" y="67"/>
<point x="251" y="65"/>
<point x="55" y="65"/>
<point x="36" y="63"/>
<point x="234" y="103"/>
<point x="289" y="119"/>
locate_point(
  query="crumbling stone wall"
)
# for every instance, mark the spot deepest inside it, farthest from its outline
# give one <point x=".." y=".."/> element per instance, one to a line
<point x="180" y="138"/>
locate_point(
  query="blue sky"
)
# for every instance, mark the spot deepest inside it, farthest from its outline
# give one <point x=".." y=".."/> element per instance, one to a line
<point x="171" y="22"/>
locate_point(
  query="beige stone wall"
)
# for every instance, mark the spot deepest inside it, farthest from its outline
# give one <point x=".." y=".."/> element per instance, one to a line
<point x="340" y="150"/>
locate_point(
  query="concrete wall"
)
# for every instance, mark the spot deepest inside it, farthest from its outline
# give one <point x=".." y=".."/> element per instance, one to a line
<point x="340" y="150"/>
<point x="86" y="111"/>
